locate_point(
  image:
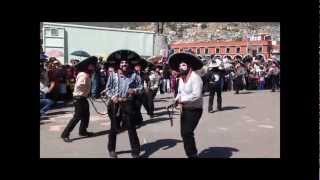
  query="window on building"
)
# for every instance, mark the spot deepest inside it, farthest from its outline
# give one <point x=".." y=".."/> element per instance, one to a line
<point x="217" y="50"/>
<point x="181" y="50"/>
<point x="238" y="50"/>
<point x="228" y="50"/>
<point x="198" y="50"/>
<point x="260" y="50"/>
<point x="54" y="32"/>
<point x="206" y="51"/>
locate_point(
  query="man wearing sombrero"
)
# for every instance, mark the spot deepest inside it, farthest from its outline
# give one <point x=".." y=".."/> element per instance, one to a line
<point x="214" y="77"/>
<point x="238" y="80"/>
<point x="81" y="91"/>
<point x="145" y="98"/>
<point x="122" y="87"/>
<point x="189" y="97"/>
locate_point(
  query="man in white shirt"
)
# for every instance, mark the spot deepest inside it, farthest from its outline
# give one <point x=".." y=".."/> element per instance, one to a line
<point x="189" y="97"/>
<point x="81" y="92"/>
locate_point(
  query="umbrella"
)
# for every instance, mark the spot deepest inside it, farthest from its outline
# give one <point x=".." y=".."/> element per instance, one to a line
<point x="43" y="57"/>
<point x="103" y="55"/>
<point x="55" y="53"/>
<point x="154" y="59"/>
<point x="80" y="53"/>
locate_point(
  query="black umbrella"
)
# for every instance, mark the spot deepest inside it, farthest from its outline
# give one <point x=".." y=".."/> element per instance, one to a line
<point x="80" y="53"/>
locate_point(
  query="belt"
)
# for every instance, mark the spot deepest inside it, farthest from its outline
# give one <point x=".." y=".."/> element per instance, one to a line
<point x="123" y="99"/>
<point x="79" y="97"/>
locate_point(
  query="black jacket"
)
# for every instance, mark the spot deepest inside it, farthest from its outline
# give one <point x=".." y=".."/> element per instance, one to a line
<point x="214" y="77"/>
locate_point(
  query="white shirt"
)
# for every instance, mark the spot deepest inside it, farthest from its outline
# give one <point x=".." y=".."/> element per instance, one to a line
<point x="191" y="91"/>
<point x="82" y="86"/>
<point x="154" y="81"/>
<point x="44" y="88"/>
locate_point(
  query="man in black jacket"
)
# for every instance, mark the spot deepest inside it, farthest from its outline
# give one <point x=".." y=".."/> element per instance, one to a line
<point x="214" y="77"/>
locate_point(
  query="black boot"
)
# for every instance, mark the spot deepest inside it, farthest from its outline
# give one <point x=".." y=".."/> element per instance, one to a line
<point x="66" y="139"/>
<point x="135" y="155"/>
<point x="195" y="156"/>
<point x="113" y="154"/>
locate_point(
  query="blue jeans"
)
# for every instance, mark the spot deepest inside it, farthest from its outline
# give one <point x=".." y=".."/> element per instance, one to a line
<point x="166" y="85"/>
<point x="261" y="85"/>
<point x="45" y="105"/>
<point x="95" y="85"/>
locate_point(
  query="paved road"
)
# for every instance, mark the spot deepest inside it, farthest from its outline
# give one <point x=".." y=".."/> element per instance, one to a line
<point x="248" y="127"/>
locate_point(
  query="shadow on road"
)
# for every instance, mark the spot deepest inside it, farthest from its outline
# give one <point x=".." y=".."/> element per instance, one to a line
<point x="59" y="106"/>
<point x="205" y="95"/>
<point x="42" y="122"/>
<point x="101" y="133"/>
<point x="154" y="120"/>
<point x="150" y="148"/>
<point x="218" y="152"/>
<point x="159" y="100"/>
<point x="247" y="92"/>
<point x="226" y="108"/>
<point x="159" y="108"/>
<point x="164" y="113"/>
<point x="165" y="98"/>
<point x="43" y="118"/>
<point x="58" y="112"/>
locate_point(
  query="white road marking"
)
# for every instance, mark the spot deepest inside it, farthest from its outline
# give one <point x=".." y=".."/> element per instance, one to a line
<point x="223" y="129"/>
<point x="64" y="116"/>
<point x="56" y="128"/>
<point x="266" y="126"/>
<point x="250" y="120"/>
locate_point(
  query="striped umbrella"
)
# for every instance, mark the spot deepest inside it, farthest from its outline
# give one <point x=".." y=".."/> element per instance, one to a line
<point x="55" y="53"/>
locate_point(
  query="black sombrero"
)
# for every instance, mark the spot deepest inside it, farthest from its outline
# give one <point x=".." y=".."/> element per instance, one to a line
<point x="90" y="60"/>
<point x="124" y="54"/>
<point x="190" y="59"/>
<point x="107" y="64"/>
<point x="144" y="64"/>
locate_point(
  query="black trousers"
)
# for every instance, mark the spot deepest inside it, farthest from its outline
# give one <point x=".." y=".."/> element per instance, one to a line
<point x="154" y="93"/>
<point x="113" y="113"/>
<point x="137" y="103"/>
<point x="213" y="90"/>
<point x="273" y="82"/>
<point x="237" y="82"/>
<point x="126" y="114"/>
<point x="81" y="113"/>
<point x="147" y="101"/>
<point x="189" y="121"/>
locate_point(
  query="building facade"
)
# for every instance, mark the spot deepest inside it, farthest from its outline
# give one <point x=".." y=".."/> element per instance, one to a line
<point x="261" y="46"/>
<point x="60" y="40"/>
